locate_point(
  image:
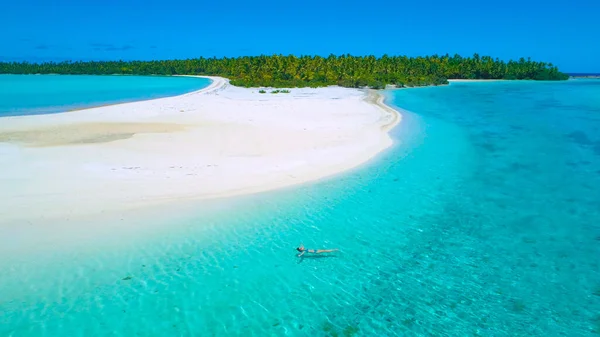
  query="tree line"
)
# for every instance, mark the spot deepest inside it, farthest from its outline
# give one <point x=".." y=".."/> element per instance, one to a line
<point x="312" y="71"/>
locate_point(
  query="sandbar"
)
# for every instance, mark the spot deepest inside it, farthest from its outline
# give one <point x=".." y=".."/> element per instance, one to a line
<point x="216" y="142"/>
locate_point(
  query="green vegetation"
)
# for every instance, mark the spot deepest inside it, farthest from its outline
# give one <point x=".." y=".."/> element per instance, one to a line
<point x="275" y="91"/>
<point x="262" y="91"/>
<point x="313" y="71"/>
<point x="285" y="91"/>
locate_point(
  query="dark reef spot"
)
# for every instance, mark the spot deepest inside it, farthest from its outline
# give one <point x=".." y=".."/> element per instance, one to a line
<point x="579" y="137"/>
<point x="350" y="331"/>
<point x="597" y="149"/>
<point x="489" y="147"/>
<point x="408" y="322"/>
<point x="489" y="134"/>
<point x="518" y="167"/>
<point x="127" y="278"/>
<point x="518" y="306"/>
<point x="327" y="327"/>
<point x="596" y="321"/>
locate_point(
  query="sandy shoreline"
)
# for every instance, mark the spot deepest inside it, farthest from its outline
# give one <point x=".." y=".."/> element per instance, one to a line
<point x="463" y="80"/>
<point x="216" y="142"/>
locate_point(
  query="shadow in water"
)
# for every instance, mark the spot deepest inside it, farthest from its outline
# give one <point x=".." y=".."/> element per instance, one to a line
<point x="314" y="257"/>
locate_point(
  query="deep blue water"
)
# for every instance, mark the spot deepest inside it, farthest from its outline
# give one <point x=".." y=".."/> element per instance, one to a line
<point x="39" y="94"/>
<point x="482" y="220"/>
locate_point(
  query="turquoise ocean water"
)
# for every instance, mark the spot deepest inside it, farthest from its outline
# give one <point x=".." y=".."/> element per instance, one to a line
<point x="482" y="220"/>
<point x="38" y="94"/>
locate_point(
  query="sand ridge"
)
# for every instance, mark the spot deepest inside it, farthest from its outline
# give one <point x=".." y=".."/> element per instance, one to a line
<point x="83" y="133"/>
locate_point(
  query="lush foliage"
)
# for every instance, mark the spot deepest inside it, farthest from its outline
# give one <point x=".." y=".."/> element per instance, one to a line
<point x="314" y="71"/>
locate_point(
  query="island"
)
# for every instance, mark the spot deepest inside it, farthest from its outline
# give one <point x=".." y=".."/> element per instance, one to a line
<point x="281" y="71"/>
<point x="228" y="139"/>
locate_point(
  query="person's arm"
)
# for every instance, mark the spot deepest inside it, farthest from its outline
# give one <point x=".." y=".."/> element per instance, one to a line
<point x="304" y="251"/>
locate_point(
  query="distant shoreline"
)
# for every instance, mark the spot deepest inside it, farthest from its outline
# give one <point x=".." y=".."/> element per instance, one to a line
<point x="481" y="80"/>
<point x="586" y="76"/>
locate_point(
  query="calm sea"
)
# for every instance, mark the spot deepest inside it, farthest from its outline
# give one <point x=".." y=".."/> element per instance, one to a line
<point x="482" y="220"/>
<point x="39" y="94"/>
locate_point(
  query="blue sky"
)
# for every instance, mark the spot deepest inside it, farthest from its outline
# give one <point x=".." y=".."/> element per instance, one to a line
<point x="563" y="32"/>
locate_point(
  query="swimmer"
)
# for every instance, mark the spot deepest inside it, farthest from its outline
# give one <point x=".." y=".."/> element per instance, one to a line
<point x="303" y="250"/>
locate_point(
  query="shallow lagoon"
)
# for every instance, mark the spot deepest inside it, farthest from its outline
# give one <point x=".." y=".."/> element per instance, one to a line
<point x="482" y="220"/>
<point x="39" y="94"/>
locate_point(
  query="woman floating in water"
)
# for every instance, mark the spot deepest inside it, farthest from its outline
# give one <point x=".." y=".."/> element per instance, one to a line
<point x="303" y="250"/>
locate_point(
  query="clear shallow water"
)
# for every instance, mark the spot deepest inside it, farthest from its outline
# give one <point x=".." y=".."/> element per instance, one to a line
<point x="39" y="94"/>
<point x="484" y="220"/>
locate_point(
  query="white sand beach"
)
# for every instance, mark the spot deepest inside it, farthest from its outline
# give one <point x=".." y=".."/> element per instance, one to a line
<point x="478" y="80"/>
<point x="216" y="142"/>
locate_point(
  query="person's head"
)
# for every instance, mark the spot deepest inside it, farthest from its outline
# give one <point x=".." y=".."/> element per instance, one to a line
<point x="300" y="249"/>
